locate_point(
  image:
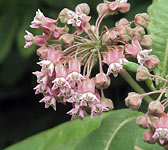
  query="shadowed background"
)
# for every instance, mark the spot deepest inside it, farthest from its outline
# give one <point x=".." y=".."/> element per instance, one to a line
<point x="21" y="114"/>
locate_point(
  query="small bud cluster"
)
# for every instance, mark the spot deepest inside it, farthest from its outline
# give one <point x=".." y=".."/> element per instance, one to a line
<point x="157" y="128"/>
<point x="67" y="59"/>
<point x="155" y="120"/>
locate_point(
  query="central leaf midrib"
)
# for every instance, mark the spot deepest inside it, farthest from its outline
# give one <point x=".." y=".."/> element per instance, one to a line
<point x="165" y="60"/>
<point x="117" y="129"/>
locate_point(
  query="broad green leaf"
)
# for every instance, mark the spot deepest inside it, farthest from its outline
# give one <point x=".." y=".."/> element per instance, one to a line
<point x="118" y="131"/>
<point x="8" y="26"/>
<point x="63" y="137"/>
<point x="159" y="30"/>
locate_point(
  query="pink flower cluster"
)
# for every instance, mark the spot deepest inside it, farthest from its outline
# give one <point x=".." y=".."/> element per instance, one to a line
<point x="158" y="129"/>
<point x="63" y="83"/>
<point x="67" y="59"/>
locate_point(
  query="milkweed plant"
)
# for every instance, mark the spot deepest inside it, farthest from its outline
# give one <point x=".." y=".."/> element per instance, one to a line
<point x="67" y="59"/>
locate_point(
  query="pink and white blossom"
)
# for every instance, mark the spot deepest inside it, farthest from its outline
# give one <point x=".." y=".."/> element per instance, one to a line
<point x="29" y="39"/>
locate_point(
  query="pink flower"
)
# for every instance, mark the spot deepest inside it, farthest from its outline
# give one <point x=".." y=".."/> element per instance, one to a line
<point x="60" y="80"/>
<point x="42" y="52"/>
<point x="78" y="19"/>
<point x="40" y="21"/>
<point x="161" y="132"/>
<point x="116" y="4"/>
<point x="74" y="71"/>
<point x="49" y="101"/>
<point x="151" y="62"/>
<point x="115" y="59"/>
<point x="88" y="90"/>
<point x="40" y="40"/>
<point x="135" y="50"/>
<point x="47" y="66"/>
<point x="54" y="55"/>
<point x="41" y="77"/>
<point x="29" y="39"/>
<point x="67" y="93"/>
<point x="40" y="88"/>
<point x="77" y="112"/>
<point x="98" y="108"/>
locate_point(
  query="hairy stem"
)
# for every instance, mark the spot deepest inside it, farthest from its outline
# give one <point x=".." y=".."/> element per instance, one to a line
<point x="135" y="85"/>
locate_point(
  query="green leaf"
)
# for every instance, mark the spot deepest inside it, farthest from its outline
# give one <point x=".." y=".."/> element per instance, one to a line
<point x="159" y="30"/>
<point x="63" y="137"/>
<point x="117" y="131"/>
<point x="7" y="34"/>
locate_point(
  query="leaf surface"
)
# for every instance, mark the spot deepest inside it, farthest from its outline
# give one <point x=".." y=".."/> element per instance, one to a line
<point x="159" y="30"/>
<point x="117" y="131"/>
<point x="63" y="137"/>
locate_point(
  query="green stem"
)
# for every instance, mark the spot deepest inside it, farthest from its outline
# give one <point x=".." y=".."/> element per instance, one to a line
<point x="135" y="85"/>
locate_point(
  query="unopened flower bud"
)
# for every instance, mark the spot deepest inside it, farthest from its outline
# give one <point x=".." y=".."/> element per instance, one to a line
<point x="125" y="7"/>
<point x="133" y="100"/>
<point x="66" y="40"/>
<point x="153" y="122"/>
<point x="142" y="20"/>
<point x="138" y="33"/>
<point x="152" y="62"/>
<point x="110" y="37"/>
<point x="142" y="73"/>
<point x="125" y="33"/>
<point x="147" y="137"/>
<point x="122" y="22"/>
<point x="42" y="52"/>
<point x="102" y="8"/>
<point x="155" y="108"/>
<point x="146" y="41"/>
<point x="109" y="103"/>
<point x="102" y="81"/>
<point x="63" y="16"/>
<point x="142" y="121"/>
<point x="84" y="7"/>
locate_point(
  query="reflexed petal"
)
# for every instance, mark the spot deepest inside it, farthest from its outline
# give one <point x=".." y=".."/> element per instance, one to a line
<point x="71" y="14"/>
<point x="78" y="23"/>
<point x="71" y="21"/>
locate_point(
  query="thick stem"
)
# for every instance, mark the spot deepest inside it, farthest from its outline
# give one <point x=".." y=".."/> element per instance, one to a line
<point x="135" y="85"/>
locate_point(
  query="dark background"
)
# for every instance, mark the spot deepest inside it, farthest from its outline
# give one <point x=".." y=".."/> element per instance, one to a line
<point x="21" y="114"/>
